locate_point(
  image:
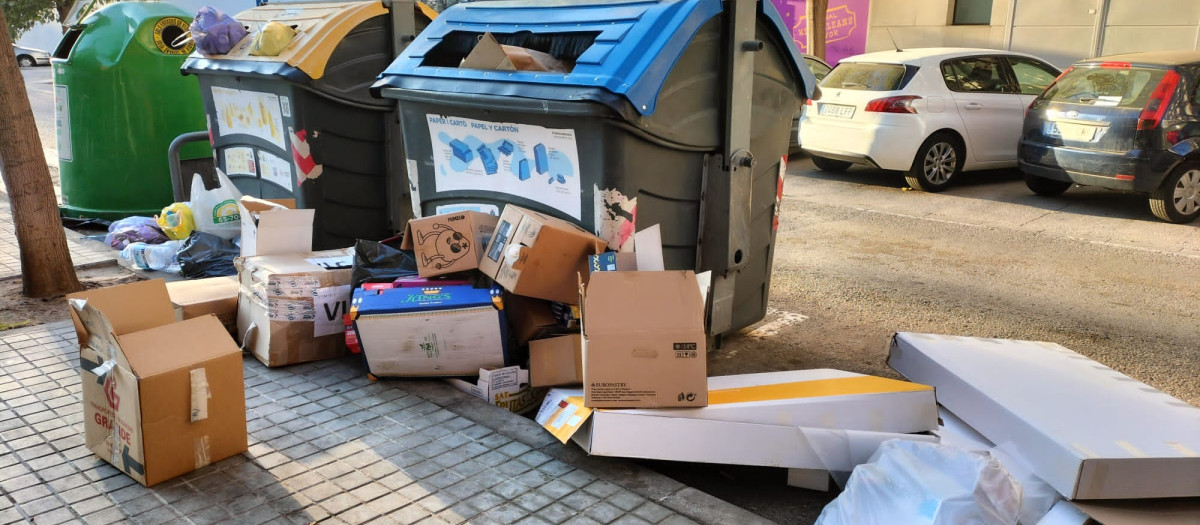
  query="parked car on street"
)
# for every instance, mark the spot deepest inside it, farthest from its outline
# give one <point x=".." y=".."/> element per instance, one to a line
<point x="819" y="69"/>
<point x="1124" y="122"/>
<point x="29" y="57"/>
<point x="931" y="113"/>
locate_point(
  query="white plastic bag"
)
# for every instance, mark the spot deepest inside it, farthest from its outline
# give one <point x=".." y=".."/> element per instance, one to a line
<point x="216" y="211"/>
<point x="917" y="483"/>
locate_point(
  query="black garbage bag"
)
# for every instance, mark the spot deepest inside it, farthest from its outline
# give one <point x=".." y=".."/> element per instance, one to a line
<point x="376" y="262"/>
<point x="206" y="255"/>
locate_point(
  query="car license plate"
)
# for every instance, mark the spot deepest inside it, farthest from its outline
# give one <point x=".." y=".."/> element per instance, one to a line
<point x="1073" y="132"/>
<point x="837" y="111"/>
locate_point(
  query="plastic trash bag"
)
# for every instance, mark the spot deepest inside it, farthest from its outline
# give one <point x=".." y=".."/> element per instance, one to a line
<point x="176" y="221"/>
<point x="214" y="32"/>
<point x="206" y="255"/>
<point x="917" y="483"/>
<point x="215" y="211"/>
<point x="376" y="262"/>
<point x="134" y="229"/>
<point x="272" y="39"/>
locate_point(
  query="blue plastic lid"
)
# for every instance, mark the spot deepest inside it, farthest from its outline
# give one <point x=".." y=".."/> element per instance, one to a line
<point x="637" y="44"/>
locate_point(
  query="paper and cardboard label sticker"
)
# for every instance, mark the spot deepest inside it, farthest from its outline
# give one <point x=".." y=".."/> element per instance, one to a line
<point x="167" y="31"/>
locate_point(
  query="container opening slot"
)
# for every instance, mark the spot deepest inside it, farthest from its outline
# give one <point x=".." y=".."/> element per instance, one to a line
<point x="68" y="42"/>
<point x="566" y="47"/>
<point x="172" y="33"/>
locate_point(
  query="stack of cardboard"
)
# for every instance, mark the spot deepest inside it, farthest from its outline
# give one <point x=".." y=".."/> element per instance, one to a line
<point x="1121" y="451"/>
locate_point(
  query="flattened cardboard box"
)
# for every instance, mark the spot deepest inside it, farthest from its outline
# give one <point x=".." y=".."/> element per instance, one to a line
<point x="782" y="419"/>
<point x="644" y="343"/>
<point x="214" y="295"/>
<point x="1087" y="430"/>
<point x="296" y="303"/>
<point x="449" y="243"/>
<point x="430" y="331"/>
<point x="539" y="256"/>
<point x="161" y="398"/>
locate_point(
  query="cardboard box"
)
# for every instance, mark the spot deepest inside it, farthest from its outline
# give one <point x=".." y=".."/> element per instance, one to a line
<point x="557" y="361"/>
<point x="295" y="302"/>
<point x="199" y="297"/>
<point x="644" y="343"/>
<point x="432" y="331"/>
<point x="490" y="54"/>
<point x="449" y="243"/>
<point x="530" y="318"/>
<point x="271" y="227"/>
<point x="1087" y="430"/>
<point x="660" y="435"/>
<point x="539" y="256"/>
<point x="506" y="387"/>
<point x="161" y="397"/>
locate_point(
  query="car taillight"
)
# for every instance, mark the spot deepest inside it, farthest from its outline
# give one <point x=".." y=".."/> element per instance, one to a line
<point x="1152" y="114"/>
<point x="898" y="104"/>
<point x="1173" y="137"/>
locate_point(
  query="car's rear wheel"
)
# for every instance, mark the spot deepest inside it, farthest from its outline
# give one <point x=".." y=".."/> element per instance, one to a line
<point x="1178" y="199"/>
<point x="1046" y="187"/>
<point x="25" y="61"/>
<point x="827" y="164"/>
<point x="938" y="161"/>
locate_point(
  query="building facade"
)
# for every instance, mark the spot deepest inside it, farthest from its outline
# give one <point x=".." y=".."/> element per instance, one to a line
<point x="1060" y="31"/>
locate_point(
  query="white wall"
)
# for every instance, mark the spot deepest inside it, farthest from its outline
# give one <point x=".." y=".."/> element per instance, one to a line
<point x="1060" y="31"/>
<point x="46" y="36"/>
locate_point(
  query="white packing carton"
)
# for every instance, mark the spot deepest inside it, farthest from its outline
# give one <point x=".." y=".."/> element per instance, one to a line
<point x="806" y="419"/>
<point x="1086" y="429"/>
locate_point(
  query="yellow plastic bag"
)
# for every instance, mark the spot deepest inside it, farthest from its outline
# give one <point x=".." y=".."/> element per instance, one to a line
<point x="272" y="39"/>
<point x="176" y="221"/>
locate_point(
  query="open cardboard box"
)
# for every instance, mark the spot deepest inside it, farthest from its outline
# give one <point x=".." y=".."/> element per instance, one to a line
<point x="506" y="387"/>
<point x="490" y="54"/>
<point x="271" y="227"/>
<point x="161" y="397"/>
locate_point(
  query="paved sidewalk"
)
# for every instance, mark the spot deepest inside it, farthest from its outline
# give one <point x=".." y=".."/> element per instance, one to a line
<point x="326" y="445"/>
<point x="84" y="253"/>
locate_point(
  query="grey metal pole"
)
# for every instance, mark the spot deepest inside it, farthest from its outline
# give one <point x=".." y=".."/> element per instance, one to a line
<point x="177" y="185"/>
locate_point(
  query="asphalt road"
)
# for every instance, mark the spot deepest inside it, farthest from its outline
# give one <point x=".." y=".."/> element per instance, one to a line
<point x="858" y="257"/>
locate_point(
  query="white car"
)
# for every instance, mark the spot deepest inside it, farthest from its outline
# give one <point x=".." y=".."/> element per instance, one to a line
<point x="29" y="57"/>
<point x="931" y="113"/>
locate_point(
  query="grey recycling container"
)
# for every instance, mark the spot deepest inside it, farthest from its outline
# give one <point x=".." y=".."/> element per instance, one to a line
<point x="303" y="125"/>
<point x="618" y="142"/>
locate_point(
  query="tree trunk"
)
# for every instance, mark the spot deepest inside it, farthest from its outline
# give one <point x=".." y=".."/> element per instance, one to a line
<point x="46" y="268"/>
<point x="817" y="9"/>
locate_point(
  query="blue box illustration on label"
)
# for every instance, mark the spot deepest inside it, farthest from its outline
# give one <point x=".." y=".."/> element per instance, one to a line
<point x="489" y="160"/>
<point x="523" y="170"/>
<point x="461" y="150"/>
<point x="506" y="147"/>
<point x="541" y="159"/>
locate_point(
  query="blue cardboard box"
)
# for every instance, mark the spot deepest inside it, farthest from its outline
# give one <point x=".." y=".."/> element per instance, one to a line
<point x="430" y="331"/>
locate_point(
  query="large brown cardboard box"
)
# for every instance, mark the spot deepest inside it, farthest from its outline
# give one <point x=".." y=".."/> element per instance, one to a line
<point x="529" y="318"/>
<point x="198" y="297"/>
<point x="295" y="303"/>
<point x="448" y="243"/>
<point x="557" y="361"/>
<point x="644" y="343"/>
<point x="161" y="397"/>
<point x="539" y="256"/>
